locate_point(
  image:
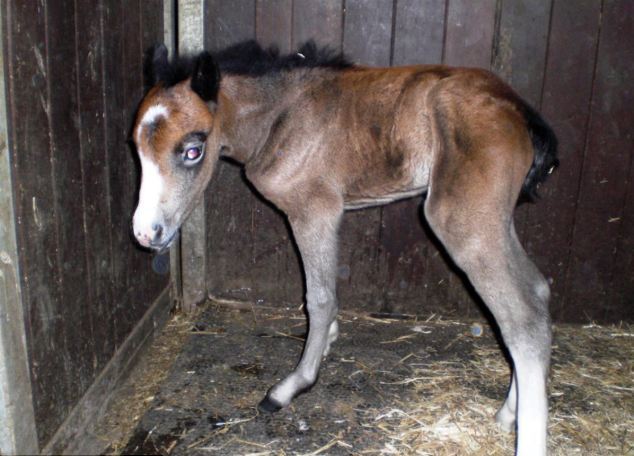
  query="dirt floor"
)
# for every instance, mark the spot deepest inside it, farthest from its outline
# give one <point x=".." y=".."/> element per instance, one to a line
<point x="389" y="386"/>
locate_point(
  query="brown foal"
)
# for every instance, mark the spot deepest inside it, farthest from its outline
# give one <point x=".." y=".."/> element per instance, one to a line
<point x="317" y="136"/>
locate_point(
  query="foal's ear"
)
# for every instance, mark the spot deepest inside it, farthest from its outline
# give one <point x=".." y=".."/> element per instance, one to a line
<point x="206" y="77"/>
<point x="156" y="67"/>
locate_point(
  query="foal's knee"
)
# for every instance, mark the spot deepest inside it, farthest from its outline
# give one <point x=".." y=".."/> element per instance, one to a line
<point x="321" y="305"/>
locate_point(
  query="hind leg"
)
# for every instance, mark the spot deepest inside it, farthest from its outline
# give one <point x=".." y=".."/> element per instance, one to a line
<point x="481" y="240"/>
<point x="506" y="416"/>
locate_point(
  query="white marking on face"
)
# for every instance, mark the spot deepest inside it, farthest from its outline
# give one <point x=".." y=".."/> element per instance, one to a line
<point x="150" y="116"/>
<point x="147" y="212"/>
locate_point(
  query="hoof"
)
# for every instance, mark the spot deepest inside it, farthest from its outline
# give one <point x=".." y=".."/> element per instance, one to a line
<point x="268" y="405"/>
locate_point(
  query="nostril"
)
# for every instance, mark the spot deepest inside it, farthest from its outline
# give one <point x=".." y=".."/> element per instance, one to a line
<point x="158" y="230"/>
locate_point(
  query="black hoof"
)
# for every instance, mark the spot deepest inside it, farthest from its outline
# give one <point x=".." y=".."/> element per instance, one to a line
<point x="268" y="405"/>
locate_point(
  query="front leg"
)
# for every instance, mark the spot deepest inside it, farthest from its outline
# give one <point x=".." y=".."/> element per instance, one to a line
<point x="315" y="229"/>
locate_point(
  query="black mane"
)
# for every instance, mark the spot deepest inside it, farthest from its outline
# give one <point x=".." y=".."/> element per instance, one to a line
<point x="250" y="59"/>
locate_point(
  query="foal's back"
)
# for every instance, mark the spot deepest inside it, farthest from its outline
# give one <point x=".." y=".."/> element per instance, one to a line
<point x="374" y="135"/>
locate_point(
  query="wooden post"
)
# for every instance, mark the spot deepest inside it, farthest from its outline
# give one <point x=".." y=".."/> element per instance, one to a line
<point x="169" y="39"/>
<point x="193" y="233"/>
<point x="17" y="420"/>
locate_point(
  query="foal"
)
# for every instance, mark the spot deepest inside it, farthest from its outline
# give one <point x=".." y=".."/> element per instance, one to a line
<point x="317" y="136"/>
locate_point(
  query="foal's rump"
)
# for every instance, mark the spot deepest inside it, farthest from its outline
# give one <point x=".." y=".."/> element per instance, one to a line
<point x="488" y="140"/>
<point x="411" y="127"/>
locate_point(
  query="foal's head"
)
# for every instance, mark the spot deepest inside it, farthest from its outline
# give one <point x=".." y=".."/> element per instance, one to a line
<point x="175" y="140"/>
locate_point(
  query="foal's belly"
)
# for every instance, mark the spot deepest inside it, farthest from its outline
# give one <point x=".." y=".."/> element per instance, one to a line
<point x="371" y="189"/>
<point x="360" y="203"/>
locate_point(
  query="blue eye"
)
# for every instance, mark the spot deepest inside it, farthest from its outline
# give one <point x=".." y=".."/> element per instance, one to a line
<point x="193" y="154"/>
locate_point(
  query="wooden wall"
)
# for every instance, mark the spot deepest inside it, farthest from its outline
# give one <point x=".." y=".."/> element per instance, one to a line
<point x="74" y="78"/>
<point x="572" y="60"/>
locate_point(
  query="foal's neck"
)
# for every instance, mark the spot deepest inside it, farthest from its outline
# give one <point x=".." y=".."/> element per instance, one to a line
<point x="248" y="107"/>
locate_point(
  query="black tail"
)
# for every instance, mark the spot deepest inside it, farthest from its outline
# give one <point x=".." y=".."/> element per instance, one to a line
<point x="545" y="159"/>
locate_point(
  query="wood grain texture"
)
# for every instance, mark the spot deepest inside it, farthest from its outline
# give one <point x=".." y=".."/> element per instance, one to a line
<point x="275" y="260"/>
<point x="62" y="72"/>
<point x="606" y="169"/>
<point x="566" y="100"/>
<point x="191" y="40"/>
<point x="546" y="50"/>
<point x="95" y="180"/>
<point x="469" y="33"/>
<point x="411" y="262"/>
<point x="35" y="206"/>
<point x="319" y="21"/>
<point x="274" y="24"/>
<point x="519" y="57"/>
<point x="366" y="40"/>
<point x="18" y="429"/>
<point x="74" y="78"/>
<point x="229" y="203"/>
<point x="419" y="27"/>
<point x="228" y="22"/>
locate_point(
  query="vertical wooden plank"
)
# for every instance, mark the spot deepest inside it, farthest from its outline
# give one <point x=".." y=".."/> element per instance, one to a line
<point x="143" y="29"/>
<point x="603" y="190"/>
<point x="469" y="35"/>
<point x="95" y="177"/>
<point x="116" y="72"/>
<point x="418" y="31"/>
<point x="368" y="31"/>
<point x="156" y="21"/>
<point x="231" y="232"/>
<point x="366" y="40"/>
<point x="319" y="21"/>
<point x="68" y="190"/>
<point x="18" y="433"/>
<point x="402" y="262"/>
<point x="519" y="56"/>
<point x="191" y="39"/>
<point x="621" y="289"/>
<point x="152" y="27"/>
<point x="228" y="22"/>
<point x="169" y="24"/>
<point x="275" y="270"/>
<point x="34" y="209"/>
<point x="273" y="23"/>
<point x="410" y="265"/>
<point x="137" y="260"/>
<point x="519" y="52"/>
<point x="129" y="28"/>
<point x="566" y="101"/>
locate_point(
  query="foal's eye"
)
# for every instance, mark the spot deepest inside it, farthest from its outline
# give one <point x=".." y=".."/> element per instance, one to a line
<point x="192" y="155"/>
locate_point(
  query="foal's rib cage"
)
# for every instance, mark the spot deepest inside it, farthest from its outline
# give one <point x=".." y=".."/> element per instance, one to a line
<point x="318" y="135"/>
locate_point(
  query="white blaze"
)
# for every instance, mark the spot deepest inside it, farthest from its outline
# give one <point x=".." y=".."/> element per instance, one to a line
<point x="147" y="212"/>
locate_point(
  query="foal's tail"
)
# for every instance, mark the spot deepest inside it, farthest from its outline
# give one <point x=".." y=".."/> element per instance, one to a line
<point x="545" y="147"/>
